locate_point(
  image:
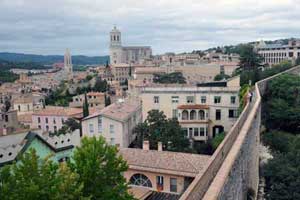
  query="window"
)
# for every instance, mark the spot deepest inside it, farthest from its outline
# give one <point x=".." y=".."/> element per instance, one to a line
<point x="202" y="131"/>
<point x="112" y="141"/>
<point x="185" y="115"/>
<point x="175" y="99"/>
<point x="203" y="99"/>
<point x="39" y="120"/>
<point x="175" y="113"/>
<point x="19" y="108"/>
<point x="46" y="120"/>
<point x="91" y="128"/>
<point x="217" y="99"/>
<point x="28" y="107"/>
<point x="190" y="99"/>
<point x="39" y="126"/>
<point x="193" y="115"/>
<point x="62" y="120"/>
<point x="160" y="182"/>
<point x="173" y="184"/>
<point x="232" y="113"/>
<point x="156" y="99"/>
<point x="100" y="124"/>
<point x="201" y="115"/>
<point x="196" y="132"/>
<point x="232" y="99"/>
<point x="190" y="132"/>
<point x="111" y="129"/>
<point x="140" y="180"/>
<point x="54" y="121"/>
<point x="218" y="114"/>
<point x="47" y="128"/>
<point x="55" y="128"/>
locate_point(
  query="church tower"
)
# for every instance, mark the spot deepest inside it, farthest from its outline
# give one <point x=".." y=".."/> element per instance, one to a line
<point x="115" y="46"/>
<point x="68" y="68"/>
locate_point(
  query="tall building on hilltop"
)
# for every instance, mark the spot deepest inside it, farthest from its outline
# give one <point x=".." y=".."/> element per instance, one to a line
<point x="130" y="55"/>
<point x="68" y="67"/>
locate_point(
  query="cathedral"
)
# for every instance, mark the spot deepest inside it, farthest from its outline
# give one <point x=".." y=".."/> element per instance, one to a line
<point x="126" y="54"/>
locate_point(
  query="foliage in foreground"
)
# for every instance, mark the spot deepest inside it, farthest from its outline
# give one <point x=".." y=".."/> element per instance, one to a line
<point x="94" y="172"/>
<point x="34" y="178"/>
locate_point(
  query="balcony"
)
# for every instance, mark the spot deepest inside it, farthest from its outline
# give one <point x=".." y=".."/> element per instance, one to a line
<point x="195" y="113"/>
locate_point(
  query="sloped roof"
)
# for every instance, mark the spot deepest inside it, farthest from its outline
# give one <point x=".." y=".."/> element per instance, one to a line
<point x="184" y="164"/>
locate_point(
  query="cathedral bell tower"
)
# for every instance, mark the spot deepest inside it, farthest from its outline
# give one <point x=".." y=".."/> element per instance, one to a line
<point x="68" y="67"/>
<point x="115" y="46"/>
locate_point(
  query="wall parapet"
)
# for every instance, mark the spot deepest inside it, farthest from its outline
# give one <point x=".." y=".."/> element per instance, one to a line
<point x="211" y="185"/>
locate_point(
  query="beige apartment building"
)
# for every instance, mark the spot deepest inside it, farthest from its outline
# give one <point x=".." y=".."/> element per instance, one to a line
<point x="276" y="53"/>
<point x="95" y="100"/>
<point x="115" y="122"/>
<point x="203" y="110"/>
<point x="157" y="172"/>
<point x="52" y="118"/>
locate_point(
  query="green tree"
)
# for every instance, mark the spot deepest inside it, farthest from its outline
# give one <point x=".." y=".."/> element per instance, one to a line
<point x="157" y="128"/>
<point x="100" y="169"/>
<point x="85" y="106"/>
<point x="216" y="141"/>
<point x="107" y="100"/>
<point x="34" y="178"/>
<point x="101" y="85"/>
<point x="171" y="78"/>
<point x="250" y="61"/>
<point x="220" y="77"/>
<point x="278" y="141"/>
<point x="283" y="103"/>
<point x="282" y="175"/>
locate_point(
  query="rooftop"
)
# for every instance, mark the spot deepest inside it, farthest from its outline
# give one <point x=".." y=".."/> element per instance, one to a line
<point x="59" y="111"/>
<point x="184" y="164"/>
<point x="119" y="111"/>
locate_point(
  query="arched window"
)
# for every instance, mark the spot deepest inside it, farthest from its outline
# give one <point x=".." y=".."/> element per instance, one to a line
<point x="140" y="180"/>
<point x="201" y="115"/>
<point x="118" y="38"/>
<point x="192" y="115"/>
<point x="114" y="38"/>
<point x="185" y="115"/>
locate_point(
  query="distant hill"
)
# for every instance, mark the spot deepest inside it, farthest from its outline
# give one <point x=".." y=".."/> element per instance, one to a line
<point x="50" y="59"/>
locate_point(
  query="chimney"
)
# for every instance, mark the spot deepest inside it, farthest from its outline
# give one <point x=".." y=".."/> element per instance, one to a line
<point x="146" y="145"/>
<point x="159" y="146"/>
<point x="4" y="131"/>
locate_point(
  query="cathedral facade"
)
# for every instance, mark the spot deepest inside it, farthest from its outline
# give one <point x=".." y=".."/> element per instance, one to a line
<point x="126" y="54"/>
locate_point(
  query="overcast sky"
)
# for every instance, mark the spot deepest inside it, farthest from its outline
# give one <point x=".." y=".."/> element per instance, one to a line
<point x="50" y="26"/>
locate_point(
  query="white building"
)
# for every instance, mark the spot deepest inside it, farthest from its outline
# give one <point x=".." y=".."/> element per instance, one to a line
<point x="130" y="54"/>
<point x="115" y="123"/>
<point x="276" y="53"/>
<point x="203" y="110"/>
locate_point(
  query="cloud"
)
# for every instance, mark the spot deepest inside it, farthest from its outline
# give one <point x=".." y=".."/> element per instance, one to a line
<point x="48" y="27"/>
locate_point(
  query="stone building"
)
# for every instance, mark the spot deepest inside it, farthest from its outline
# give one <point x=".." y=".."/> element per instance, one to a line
<point x="203" y="110"/>
<point x="115" y="122"/>
<point x="126" y="54"/>
<point x="95" y="100"/>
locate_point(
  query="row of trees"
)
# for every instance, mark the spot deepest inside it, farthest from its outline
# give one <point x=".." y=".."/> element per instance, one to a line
<point x="94" y="172"/>
<point x="282" y="120"/>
